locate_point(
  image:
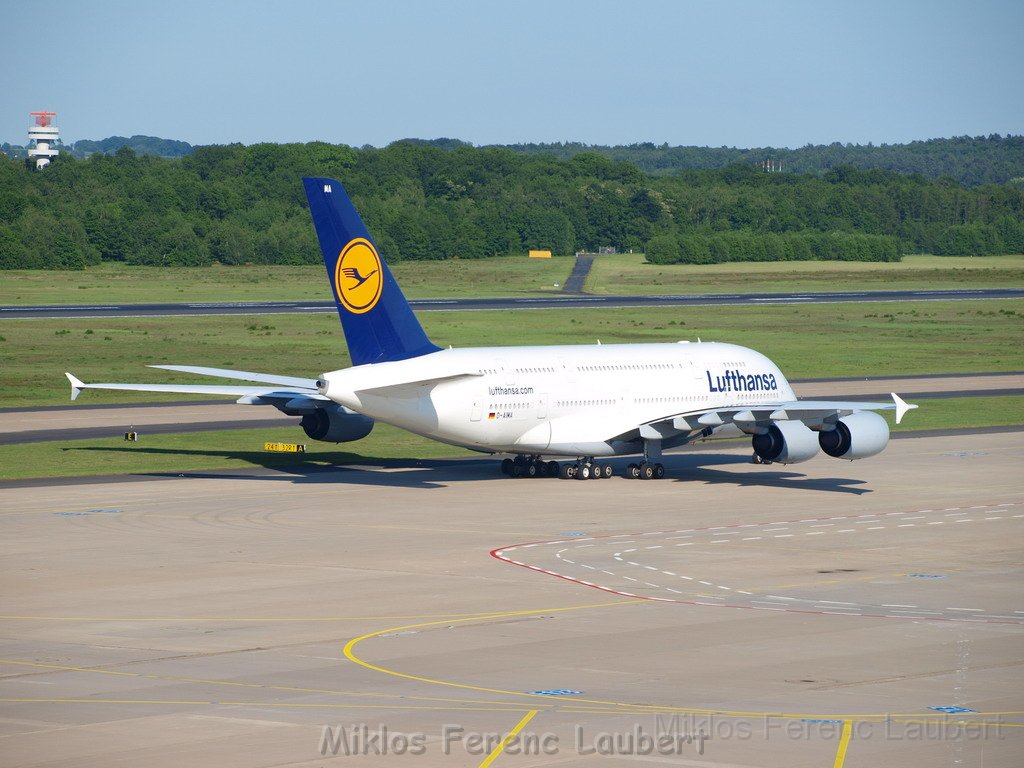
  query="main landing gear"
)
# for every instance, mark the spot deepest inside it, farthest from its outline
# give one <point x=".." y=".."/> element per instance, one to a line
<point x="585" y="468"/>
<point x="646" y="470"/>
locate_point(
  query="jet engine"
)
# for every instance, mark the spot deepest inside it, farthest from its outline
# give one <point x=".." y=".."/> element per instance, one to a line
<point x="856" y="436"/>
<point x="336" y="424"/>
<point x="787" y="442"/>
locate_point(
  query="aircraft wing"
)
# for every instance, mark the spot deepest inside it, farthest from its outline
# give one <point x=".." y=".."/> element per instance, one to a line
<point x="811" y="412"/>
<point x="295" y="397"/>
<point x="225" y="373"/>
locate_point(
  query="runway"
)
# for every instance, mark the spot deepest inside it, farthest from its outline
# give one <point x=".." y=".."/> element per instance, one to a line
<point x="228" y="618"/>
<point x="11" y="312"/>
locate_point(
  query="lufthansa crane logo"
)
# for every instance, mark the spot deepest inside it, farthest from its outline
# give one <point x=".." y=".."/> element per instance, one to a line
<point x="357" y="276"/>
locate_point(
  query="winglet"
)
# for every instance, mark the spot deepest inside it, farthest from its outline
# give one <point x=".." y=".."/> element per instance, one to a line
<point x="76" y="385"/>
<point x="901" y="407"/>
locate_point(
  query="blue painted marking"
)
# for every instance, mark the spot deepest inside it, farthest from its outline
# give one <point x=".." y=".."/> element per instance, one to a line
<point x="89" y="512"/>
<point x="952" y="710"/>
<point x="924" y="576"/>
<point x="572" y="534"/>
<point x="811" y="720"/>
<point x="556" y="692"/>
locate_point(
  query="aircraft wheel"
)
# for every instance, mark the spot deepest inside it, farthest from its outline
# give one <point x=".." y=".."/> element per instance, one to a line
<point x="552" y="468"/>
<point x="633" y="471"/>
<point x="607" y="470"/>
<point x="659" y="471"/>
<point x="530" y="469"/>
<point x="506" y="467"/>
<point x="567" y="472"/>
<point x="584" y="472"/>
<point x="646" y="471"/>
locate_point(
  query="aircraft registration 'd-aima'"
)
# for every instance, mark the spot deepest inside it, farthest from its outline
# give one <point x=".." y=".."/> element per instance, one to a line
<point x="587" y="402"/>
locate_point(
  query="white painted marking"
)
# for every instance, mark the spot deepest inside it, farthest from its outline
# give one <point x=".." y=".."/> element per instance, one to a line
<point x="814" y="533"/>
<point x="783" y="535"/>
<point x="875" y="528"/>
<point x="906" y="525"/>
<point x="656" y="546"/>
<point x="752" y="538"/>
<point x="719" y="541"/>
<point x="897" y="605"/>
<point x="964" y="609"/>
<point x="707" y="583"/>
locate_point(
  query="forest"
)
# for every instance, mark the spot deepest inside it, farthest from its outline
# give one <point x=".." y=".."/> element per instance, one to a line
<point x="238" y="204"/>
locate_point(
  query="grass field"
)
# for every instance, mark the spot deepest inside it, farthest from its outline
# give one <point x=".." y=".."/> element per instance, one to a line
<point x="506" y="276"/>
<point x="805" y="340"/>
<point x="243" y="448"/>
<point x="629" y="274"/>
<point x="106" y="283"/>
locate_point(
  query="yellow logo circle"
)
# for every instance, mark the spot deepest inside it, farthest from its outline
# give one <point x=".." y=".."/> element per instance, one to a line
<point x="357" y="276"/>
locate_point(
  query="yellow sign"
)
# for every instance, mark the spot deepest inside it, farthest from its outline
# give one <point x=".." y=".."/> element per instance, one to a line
<point x="285" y="447"/>
<point x="540" y="254"/>
<point x="357" y="276"/>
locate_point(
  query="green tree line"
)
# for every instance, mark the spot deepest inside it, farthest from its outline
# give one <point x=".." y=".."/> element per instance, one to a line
<point x="970" y="160"/>
<point x="239" y="204"/>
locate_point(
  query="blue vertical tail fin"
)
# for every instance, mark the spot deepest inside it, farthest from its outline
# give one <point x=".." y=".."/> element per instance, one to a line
<point x="378" y="322"/>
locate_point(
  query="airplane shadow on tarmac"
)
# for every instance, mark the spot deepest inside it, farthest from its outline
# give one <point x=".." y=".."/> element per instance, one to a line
<point x="341" y="467"/>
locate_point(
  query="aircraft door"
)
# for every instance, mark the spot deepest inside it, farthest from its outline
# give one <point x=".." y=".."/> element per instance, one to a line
<point x="542" y="406"/>
<point x="474" y="414"/>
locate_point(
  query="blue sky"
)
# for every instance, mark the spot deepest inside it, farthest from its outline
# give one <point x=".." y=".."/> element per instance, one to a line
<point x="706" y="73"/>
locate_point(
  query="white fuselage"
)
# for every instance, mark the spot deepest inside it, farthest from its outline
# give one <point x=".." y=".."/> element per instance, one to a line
<point x="559" y="400"/>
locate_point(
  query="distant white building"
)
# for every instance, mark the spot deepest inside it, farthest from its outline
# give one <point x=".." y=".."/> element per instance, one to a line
<point x="42" y="138"/>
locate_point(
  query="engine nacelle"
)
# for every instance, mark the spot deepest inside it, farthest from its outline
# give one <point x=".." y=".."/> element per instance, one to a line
<point x="787" y="442"/>
<point x="856" y="436"/>
<point x="336" y="424"/>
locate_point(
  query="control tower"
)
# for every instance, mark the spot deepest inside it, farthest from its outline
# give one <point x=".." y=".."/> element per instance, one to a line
<point x="41" y="139"/>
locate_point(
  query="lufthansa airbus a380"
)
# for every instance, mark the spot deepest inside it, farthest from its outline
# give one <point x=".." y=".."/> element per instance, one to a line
<point x="586" y="402"/>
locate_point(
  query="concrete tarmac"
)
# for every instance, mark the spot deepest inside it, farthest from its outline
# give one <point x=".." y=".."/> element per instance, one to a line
<point x="829" y="613"/>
